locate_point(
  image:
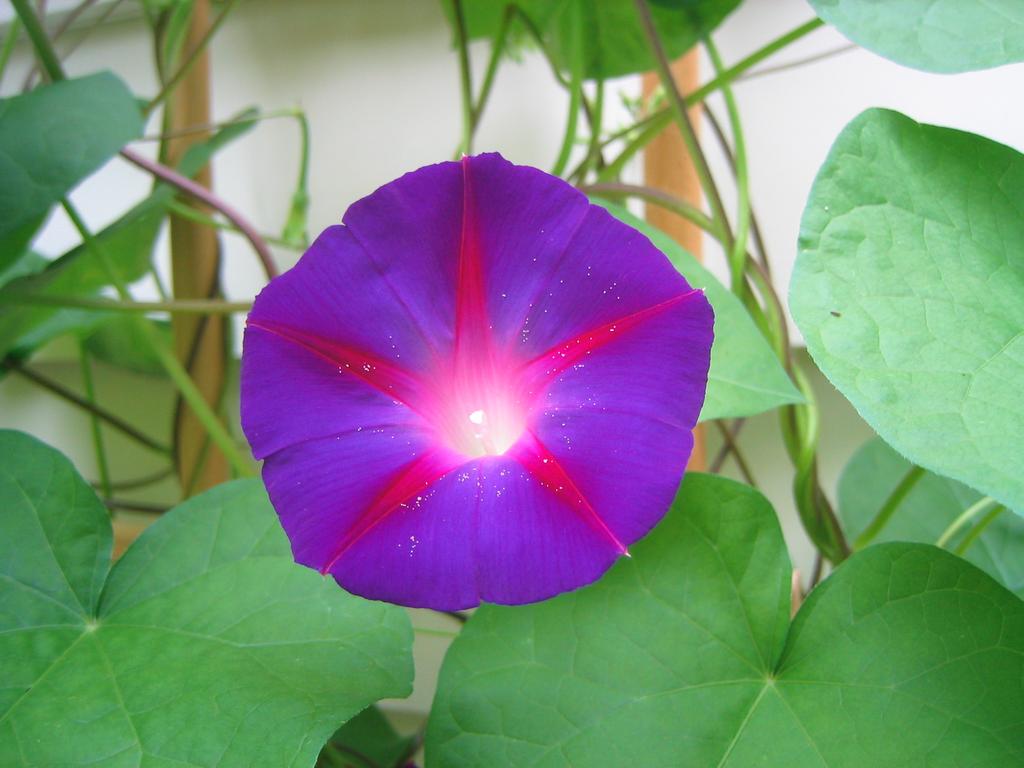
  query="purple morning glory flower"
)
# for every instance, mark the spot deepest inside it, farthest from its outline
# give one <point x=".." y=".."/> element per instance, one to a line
<point x="479" y="387"/>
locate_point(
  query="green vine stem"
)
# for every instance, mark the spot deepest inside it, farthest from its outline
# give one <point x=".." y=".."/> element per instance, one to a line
<point x="688" y="211"/>
<point x="295" y="232"/>
<point x="963" y="519"/>
<point x="201" y="193"/>
<point x="497" y="49"/>
<point x="85" y="363"/>
<point x="737" y="255"/>
<point x="650" y="126"/>
<point x="40" y="42"/>
<point x="681" y="115"/>
<point x="799" y="423"/>
<point x="173" y="306"/>
<point x="174" y="369"/>
<point x="465" y="77"/>
<point x="889" y="507"/>
<point x="576" y="64"/>
<point x="13" y="30"/>
<point x="188" y="212"/>
<point x="979" y="529"/>
<point x="172" y="82"/>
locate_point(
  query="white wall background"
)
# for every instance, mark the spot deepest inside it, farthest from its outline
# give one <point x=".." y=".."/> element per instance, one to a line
<point x="380" y="85"/>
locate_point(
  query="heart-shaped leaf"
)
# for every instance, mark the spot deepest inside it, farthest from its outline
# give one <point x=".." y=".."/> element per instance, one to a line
<point x="905" y="656"/>
<point x="933" y="35"/>
<point x="52" y="138"/>
<point x="128" y="243"/>
<point x="909" y="290"/>
<point x="204" y="645"/>
<point x="746" y="377"/>
<point x="609" y="31"/>
<point x="931" y="504"/>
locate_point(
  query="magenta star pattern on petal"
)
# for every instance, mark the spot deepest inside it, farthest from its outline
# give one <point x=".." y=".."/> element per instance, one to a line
<point x="478" y="387"/>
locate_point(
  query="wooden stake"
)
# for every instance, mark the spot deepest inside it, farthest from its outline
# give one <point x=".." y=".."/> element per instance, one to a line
<point x="667" y="166"/>
<point x="200" y="342"/>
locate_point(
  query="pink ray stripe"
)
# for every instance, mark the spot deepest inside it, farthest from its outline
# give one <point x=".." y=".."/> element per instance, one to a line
<point x="383" y="376"/>
<point x="413" y="480"/>
<point x="542" y="464"/>
<point x="472" y="333"/>
<point x="549" y="364"/>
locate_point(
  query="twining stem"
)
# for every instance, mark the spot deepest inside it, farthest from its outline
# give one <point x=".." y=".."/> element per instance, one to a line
<point x="757" y="238"/>
<point x="171" y="83"/>
<point x="734" y="448"/>
<point x="979" y="529"/>
<point x="13" y="30"/>
<point x="465" y="77"/>
<point x="497" y="49"/>
<point x="737" y="255"/>
<point x="688" y="211"/>
<point x="797" y="63"/>
<point x="205" y="128"/>
<point x="106" y="416"/>
<point x="295" y="228"/>
<point x="963" y="519"/>
<point x="40" y="42"/>
<point x="130" y="505"/>
<point x="174" y="369"/>
<point x="799" y="423"/>
<point x="188" y="212"/>
<point x="170" y="363"/>
<point x="201" y="193"/>
<point x="173" y="306"/>
<point x="889" y="507"/>
<point x="682" y="117"/>
<point x="723" y="453"/>
<point x="70" y="19"/>
<point x="654" y="123"/>
<point x="576" y="64"/>
<point x="141" y="482"/>
<point x="97" y="435"/>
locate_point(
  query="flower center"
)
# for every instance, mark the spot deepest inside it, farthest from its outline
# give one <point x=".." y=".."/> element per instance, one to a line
<point x="481" y="409"/>
<point x="484" y="431"/>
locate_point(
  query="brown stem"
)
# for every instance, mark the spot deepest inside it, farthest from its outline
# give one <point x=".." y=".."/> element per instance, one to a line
<point x="723" y="452"/>
<point x="204" y="195"/>
<point x="74" y="398"/>
<point x="734" y="448"/>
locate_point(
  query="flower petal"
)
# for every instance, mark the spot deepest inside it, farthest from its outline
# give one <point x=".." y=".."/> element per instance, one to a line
<point x="479" y="388"/>
<point x="323" y="488"/>
<point x="338" y="294"/>
<point x="411" y="231"/>
<point x="619" y="420"/>
<point x="293" y="395"/>
<point x="489" y="530"/>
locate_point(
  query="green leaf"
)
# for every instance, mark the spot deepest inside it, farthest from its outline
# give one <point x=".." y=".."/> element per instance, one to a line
<point x="909" y="290"/>
<point x="129" y="242"/>
<point x="745" y="377"/>
<point x="614" y="42"/>
<point x="52" y="138"/>
<point x="28" y="263"/>
<point x="926" y="511"/>
<point x="370" y="735"/>
<point x="933" y="35"/>
<point x="905" y="656"/>
<point x="205" y="645"/>
<point x="120" y="342"/>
